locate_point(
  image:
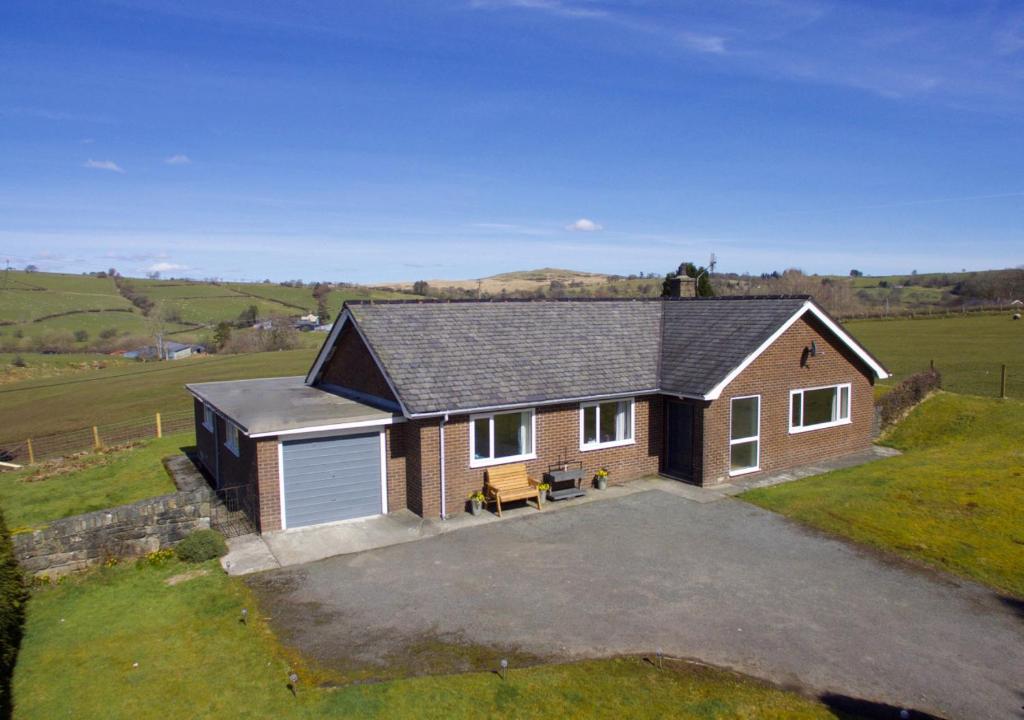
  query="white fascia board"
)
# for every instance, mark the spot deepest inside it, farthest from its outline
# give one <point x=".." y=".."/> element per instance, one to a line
<point x="541" y="403"/>
<point x="808" y="306"/>
<point x="329" y="428"/>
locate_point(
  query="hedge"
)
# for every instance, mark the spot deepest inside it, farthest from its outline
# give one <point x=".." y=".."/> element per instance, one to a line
<point x="907" y="394"/>
<point x="13" y="596"/>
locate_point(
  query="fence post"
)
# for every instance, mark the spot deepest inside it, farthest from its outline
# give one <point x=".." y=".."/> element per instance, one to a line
<point x="1002" y="383"/>
<point x="31" y="452"/>
<point x="159" y="427"/>
<point x="96" y="438"/>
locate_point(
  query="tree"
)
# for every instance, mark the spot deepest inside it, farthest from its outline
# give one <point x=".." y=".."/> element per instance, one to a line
<point x="420" y="287"/>
<point x="249" y="316"/>
<point x="221" y="334"/>
<point x="81" y="335"/>
<point x="701" y="274"/>
<point x="155" y="275"/>
<point x="323" y="314"/>
<point x="856" y="273"/>
<point x="112" y="272"/>
<point x="31" y="269"/>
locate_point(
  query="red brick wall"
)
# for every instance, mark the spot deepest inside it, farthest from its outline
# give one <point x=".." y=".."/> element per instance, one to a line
<point x="351" y="366"/>
<point x="267" y="484"/>
<point x="557" y="438"/>
<point x="397" y="467"/>
<point x="777" y="371"/>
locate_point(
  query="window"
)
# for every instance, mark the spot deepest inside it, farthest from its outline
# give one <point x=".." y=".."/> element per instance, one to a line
<point x="501" y="437"/>
<point x="606" y="424"/>
<point x="231" y="437"/>
<point x="745" y="435"/>
<point x="821" y="407"/>
<point x="208" y="417"/>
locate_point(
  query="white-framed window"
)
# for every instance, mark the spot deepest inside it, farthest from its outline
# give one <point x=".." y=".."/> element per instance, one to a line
<point x="231" y="437"/>
<point x="607" y="423"/>
<point x="819" y="407"/>
<point x="745" y="435"/>
<point x="501" y="437"/>
<point x="208" y="417"/>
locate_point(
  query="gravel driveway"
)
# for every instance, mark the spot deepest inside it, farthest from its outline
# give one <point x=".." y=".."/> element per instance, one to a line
<point x="725" y="582"/>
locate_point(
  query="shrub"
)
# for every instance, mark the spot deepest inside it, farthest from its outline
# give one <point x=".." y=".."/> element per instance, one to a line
<point x="907" y="394"/>
<point x="19" y="361"/>
<point x="81" y="335"/>
<point x="13" y="596"/>
<point x="201" y="545"/>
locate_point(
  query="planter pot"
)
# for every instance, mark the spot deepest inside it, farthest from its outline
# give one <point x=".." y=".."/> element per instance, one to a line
<point x="543" y="495"/>
<point x="476" y="507"/>
<point x="601" y="482"/>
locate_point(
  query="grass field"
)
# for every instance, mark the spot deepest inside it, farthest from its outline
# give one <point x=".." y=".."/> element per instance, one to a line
<point x="953" y="500"/>
<point x="967" y="349"/>
<point x="32" y="497"/>
<point x="42" y="407"/>
<point x="44" y="366"/>
<point x="123" y="643"/>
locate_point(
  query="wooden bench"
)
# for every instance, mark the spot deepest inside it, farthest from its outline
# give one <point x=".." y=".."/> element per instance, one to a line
<point x="510" y="482"/>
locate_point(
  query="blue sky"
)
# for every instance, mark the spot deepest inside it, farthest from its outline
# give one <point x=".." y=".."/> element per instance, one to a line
<point x="459" y="138"/>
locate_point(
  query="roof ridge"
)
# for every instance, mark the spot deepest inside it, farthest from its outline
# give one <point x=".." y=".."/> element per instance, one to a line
<point x="581" y="300"/>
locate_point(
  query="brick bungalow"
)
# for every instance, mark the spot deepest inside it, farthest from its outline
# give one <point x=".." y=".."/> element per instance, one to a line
<point x="409" y="403"/>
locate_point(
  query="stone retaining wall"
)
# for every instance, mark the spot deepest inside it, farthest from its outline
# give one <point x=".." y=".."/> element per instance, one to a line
<point x="78" y="542"/>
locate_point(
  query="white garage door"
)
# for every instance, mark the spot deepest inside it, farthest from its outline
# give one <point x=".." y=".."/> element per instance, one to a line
<point x="329" y="479"/>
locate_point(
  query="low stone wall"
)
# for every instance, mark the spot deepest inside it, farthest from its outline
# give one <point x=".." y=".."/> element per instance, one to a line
<point x="75" y="543"/>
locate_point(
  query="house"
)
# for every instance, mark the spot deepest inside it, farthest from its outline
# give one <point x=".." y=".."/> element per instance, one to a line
<point x="409" y="403"/>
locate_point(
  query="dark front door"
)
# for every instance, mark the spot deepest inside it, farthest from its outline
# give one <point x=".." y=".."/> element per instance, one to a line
<point x="679" y="440"/>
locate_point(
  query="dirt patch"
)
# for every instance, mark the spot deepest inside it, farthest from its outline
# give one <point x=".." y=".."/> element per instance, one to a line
<point x="186" y="576"/>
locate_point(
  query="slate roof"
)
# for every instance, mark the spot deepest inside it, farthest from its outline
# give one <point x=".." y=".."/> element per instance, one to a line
<point x="462" y="356"/>
<point x="703" y="340"/>
<point x="459" y="356"/>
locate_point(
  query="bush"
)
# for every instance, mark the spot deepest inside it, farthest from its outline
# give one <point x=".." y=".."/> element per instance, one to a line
<point x="907" y="394"/>
<point x="202" y="545"/>
<point x="13" y="596"/>
<point x="19" y="361"/>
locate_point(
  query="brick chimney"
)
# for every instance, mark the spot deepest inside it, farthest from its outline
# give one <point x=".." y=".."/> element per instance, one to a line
<point x="682" y="286"/>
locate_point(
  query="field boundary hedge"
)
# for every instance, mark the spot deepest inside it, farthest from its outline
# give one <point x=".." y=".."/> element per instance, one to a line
<point x="907" y="394"/>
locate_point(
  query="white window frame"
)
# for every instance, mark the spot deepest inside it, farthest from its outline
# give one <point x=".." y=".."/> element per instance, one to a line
<point x="475" y="462"/>
<point x="739" y="441"/>
<point x="231" y="437"/>
<point x="794" y="429"/>
<point x="597" y="444"/>
<point x="208" y="417"/>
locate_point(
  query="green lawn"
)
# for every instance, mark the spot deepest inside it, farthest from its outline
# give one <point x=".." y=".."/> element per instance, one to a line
<point x="38" y="366"/>
<point x="967" y="349"/>
<point x="953" y="500"/>
<point x="34" y="496"/>
<point x="42" y="407"/>
<point x="196" y="659"/>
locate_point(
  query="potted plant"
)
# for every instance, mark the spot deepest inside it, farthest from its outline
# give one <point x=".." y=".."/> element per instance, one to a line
<point x="476" y="502"/>
<point x="542" y="489"/>
<point x="601" y="478"/>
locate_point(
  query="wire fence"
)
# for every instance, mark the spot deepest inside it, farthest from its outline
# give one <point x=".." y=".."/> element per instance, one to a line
<point x="97" y="437"/>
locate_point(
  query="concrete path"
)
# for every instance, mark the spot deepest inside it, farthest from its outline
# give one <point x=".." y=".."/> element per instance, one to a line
<point x="724" y="582"/>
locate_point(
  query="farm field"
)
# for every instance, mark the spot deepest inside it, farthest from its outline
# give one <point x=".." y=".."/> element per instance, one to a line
<point x="52" y="307"/>
<point x="34" y="496"/>
<point x="127" y="392"/>
<point x="38" y="366"/>
<point x="967" y="349"/>
<point x="124" y="642"/>
<point x="952" y="500"/>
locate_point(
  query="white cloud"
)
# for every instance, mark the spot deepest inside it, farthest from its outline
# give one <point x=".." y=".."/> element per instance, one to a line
<point x="711" y="44"/>
<point x="104" y="165"/>
<point x="178" y="159"/>
<point x="166" y="267"/>
<point x="584" y="225"/>
<point x="555" y="7"/>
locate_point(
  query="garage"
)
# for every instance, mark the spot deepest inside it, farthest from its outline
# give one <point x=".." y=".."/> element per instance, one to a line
<point x="327" y="479"/>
